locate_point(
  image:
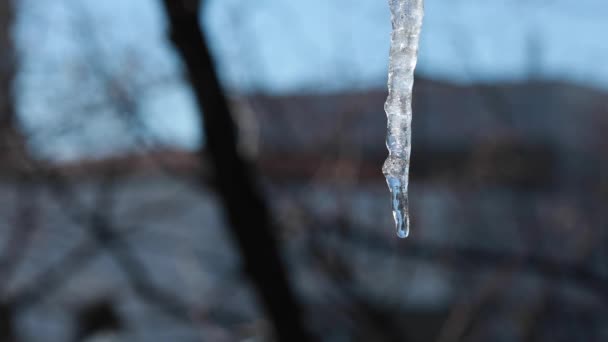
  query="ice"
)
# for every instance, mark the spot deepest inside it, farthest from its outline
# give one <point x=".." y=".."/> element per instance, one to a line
<point x="406" y="19"/>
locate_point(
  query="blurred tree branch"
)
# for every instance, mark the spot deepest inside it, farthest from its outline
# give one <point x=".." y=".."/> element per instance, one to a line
<point x="100" y="226"/>
<point x="476" y="258"/>
<point x="246" y="210"/>
<point x="12" y="147"/>
<point x="12" y="142"/>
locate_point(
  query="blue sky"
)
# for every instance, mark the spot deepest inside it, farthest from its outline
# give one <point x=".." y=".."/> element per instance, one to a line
<point x="340" y="43"/>
<point x="275" y="46"/>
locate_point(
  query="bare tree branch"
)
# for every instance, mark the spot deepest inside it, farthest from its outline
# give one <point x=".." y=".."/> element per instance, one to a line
<point x="246" y="210"/>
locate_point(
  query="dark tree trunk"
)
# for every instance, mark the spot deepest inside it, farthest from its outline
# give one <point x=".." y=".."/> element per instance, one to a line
<point x="8" y="134"/>
<point x="246" y="210"/>
<point x="12" y="143"/>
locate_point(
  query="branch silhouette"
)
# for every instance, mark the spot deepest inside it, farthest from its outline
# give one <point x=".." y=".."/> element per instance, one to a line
<point x="246" y="210"/>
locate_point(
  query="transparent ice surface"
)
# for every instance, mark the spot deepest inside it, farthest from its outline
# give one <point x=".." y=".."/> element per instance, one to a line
<point x="406" y="19"/>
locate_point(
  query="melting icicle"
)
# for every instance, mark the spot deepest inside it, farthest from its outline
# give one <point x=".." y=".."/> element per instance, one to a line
<point x="406" y="19"/>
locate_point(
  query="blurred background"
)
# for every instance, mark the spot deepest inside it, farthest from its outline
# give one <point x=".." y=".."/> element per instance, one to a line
<point x="113" y="226"/>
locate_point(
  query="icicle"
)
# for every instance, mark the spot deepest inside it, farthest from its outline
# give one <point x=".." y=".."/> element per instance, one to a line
<point x="406" y="19"/>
